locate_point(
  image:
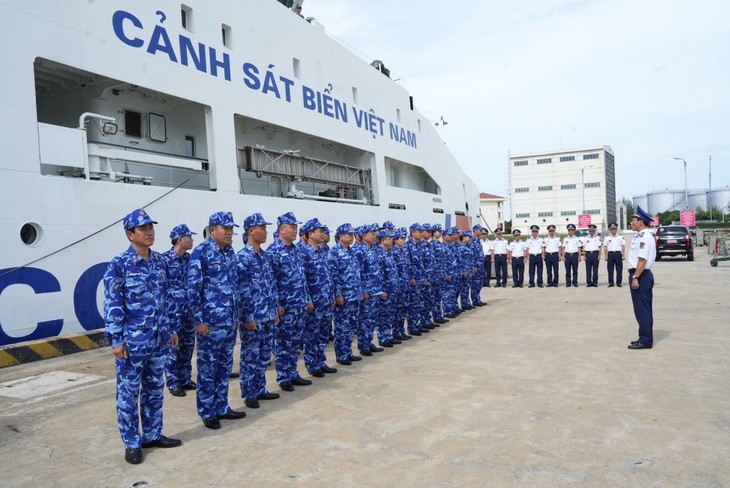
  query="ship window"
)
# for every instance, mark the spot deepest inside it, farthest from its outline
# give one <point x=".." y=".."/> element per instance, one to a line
<point x="419" y="125"/>
<point x="397" y="114"/>
<point x="354" y="95"/>
<point x="396" y="206"/>
<point x="158" y="127"/>
<point x="190" y="146"/>
<point x="132" y="123"/>
<point x="186" y="17"/>
<point x="438" y="210"/>
<point x="226" y="35"/>
<point x="30" y="234"/>
<point x="297" y="66"/>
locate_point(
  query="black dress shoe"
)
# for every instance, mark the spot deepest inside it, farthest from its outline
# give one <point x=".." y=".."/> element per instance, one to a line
<point x="190" y="385"/>
<point x="376" y="349"/>
<point x="268" y="396"/>
<point x="539" y="286"/>
<point x="328" y="370"/>
<point x="232" y="415"/>
<point x="404" y="337"/>
<point x="286" y="386"/>
<point x="252" y="403"/>
<point x="619" y="285"/>
<point x="163" y="442"/>
<point x="440" y="321"/>
<point x="133" y="455"/>
<point x="346" y="362"/>
<point x="318" y="373"/>
<point x="531" y="285"/>
<point x="610" y="285"/>
<point x="425" y="331"/>
<point x="386" y="344"/>
<point x="568" y="285"/>
<point x="639" y="345"/>
<point x="366" y="353"/>
<point x="235" y="375"/>
<point x="450" y="315"/>
<point x="212" y="423"/>
<point x="355" y="358"/>
<point x="414" y="333"/>
<point x="299" y="381"/>
<point x="575" y="285"/>
<point x="177" y="391"/>
<point x="514" y="286"/>
<point x="396" y="341"/>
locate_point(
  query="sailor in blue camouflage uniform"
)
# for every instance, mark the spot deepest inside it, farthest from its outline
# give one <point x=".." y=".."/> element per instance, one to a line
<point x="291" y="284"/>
<point x="451" y="271"/>
<point x="344" y="270"/>
<point x="477" y="279"/>
<point x="430" y="312"/>
<point x="467" y="270"/>
<point x="372" y="287"/>
<point x="179" y="368"/>
<point x="384" y="256"/>
<point x="318" y="322"/>
<point x="137" y="326"/>
<point x="401" y="307"/>
<point x="438" y="275"/>
<point x="214" y="298"/>
<point x="417" y="282"/>
<point x="259" y="311"/>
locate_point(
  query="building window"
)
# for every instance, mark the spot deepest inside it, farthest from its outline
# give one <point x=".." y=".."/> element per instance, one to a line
<point x="522" y="216"/>
<point x="571" y="186"/>
<point x="544" y="161"/>
<point x="544" y="214"/>
<point x="522" y="190"/>
<point x="596" y="184"/>
<point x="520" y="163"/>
<point x="590" y="156"/>
<point x="545" y="188"/>
<point x="566" y="158"/>
<point x="566" y="213"/>
<point x="593" y="212"/>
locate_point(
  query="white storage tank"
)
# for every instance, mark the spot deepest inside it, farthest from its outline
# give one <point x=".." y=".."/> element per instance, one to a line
<point x="665" y="200"/>
<point x="641" y="201"/>
<point x="698" y="199"/>
<point x="719" y="198"/>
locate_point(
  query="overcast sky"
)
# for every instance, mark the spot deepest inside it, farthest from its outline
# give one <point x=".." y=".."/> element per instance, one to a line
<point x="649" y="78"/>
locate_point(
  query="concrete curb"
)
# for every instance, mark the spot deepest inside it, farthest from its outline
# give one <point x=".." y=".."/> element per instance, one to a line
<point x="27" y="352"/>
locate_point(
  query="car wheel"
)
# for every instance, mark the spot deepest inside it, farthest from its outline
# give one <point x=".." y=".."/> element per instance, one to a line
<point x="691" y="256"/>
<point x="658" y="257"/>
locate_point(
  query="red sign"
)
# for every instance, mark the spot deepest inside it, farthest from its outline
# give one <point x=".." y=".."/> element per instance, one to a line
<point x="584" y="220"/>
<point x="687" y="217"/>
<point x="655" y="221"/>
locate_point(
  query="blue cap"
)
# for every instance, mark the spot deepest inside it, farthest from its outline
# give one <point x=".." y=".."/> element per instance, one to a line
<point x="551" y="227"/>
<point x="436" y="227"/>
<point x="534" y="227"/>
<point x="468" y="233"/>
<point x="592" y="226"/>
<point x="181" y="230"/>
<point x="326" y="229"/>
<point x="222" y="218"/>
<point x="477" y="227"/>
<point x="613" y="225"/>
<point x="137" y="218"/>
<point x="570" y="226"/>
<point x="344" y="229"/>
<point x="415" y="226"/>
<point x="383" y="233"/>
<point x="388" y="225"/>
<point x="287" y="218"/>
<point x="426" y="227"/>
<point x="312" y="224"/>
<point x="254" y="220"/>
<point x="516" y="231"/>
<point x="641" y="215"/>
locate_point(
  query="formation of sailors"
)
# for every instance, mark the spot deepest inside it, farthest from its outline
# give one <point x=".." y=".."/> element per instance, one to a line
<point x="547" y="252"/>
<point x="400" y="282"/>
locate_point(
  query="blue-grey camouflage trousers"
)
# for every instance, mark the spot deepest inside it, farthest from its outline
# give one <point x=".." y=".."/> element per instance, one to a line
<point x="477" y="281"/>
<point x="401" y="310"/>
<point x="386" y="320"/>
<point x="140" y="387"/>
<point x="256" y="348"/>
<point x="287" y="339"/>
<point x="179" y="367"/>
<point x="450" y="294"/>
<point x="316" y="336"/>
<point x="346" y="318"/>
<point x="464" y="285"/>
<point x="416" y="307"/>
<point x="436" y="292"/>
<point x="369" y="315"/>
<point x="215" y="362"/>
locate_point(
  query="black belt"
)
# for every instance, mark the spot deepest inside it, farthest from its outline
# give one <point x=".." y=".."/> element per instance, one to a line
<point x="551" y="253"/>
<point x="632" y="270"/>
<point x="591" y="252"/>
<point x="609" y="252"/>
<point x="571" y="253"/>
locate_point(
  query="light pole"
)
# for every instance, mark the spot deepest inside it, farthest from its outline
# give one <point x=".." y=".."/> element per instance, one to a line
<point x="583" y="187"/>
<point x="686" y="196"/>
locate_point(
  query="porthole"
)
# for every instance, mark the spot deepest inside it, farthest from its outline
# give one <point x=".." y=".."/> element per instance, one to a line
<point x="31" y="234"/>
<point x="206" y="232"/>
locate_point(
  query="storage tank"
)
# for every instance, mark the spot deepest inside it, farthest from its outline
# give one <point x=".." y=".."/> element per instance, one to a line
<point x="641" y="201"/>
<point x="719" y="198"/>
<point x="664" y="200"/>
<point x="698" y="199"/>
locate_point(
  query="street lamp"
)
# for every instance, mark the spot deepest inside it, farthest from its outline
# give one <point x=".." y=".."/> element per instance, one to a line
<point x="686" y="196"/>
<point x="583" y="187"/>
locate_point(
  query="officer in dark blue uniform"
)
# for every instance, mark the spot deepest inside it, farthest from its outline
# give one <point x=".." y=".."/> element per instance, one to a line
<point x="138" y="328"/>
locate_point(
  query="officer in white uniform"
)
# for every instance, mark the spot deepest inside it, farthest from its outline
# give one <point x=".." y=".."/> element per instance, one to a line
<point x="487" y="245"/>
<point x="641" y="259"/>
<point x="552" y="256"/>
<point x="516" y="257"/>
<point x="614" y="247"/>
<point x="536" y="255"/>
<point x="571" y="256"/>
<point x="499" y="258"/>
<point x="592" y="255"/>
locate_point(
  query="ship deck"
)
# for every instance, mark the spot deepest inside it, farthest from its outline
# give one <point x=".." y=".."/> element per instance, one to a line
<point x="537" y="389"/>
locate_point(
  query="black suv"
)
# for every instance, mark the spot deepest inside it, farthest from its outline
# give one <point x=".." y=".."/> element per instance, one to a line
<point x="673" y="240"/>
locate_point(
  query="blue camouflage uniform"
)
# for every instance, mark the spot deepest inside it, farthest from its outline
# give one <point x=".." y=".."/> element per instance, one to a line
<point x="345" y="272"/>
<point x="466" y="261"/>
<point x="401" y="306"/>
<point x="179" y="368"/>
<point x="416" y="292"/>
<point x="259" y="302"/>
<point x="286" y="262"/>
<point x="391" y="285"/>
<point x="450" y="263"/>
<point x="477" y="280"/>
<point x="437" y="283"/>
<point x="428" y="266"/>
<point x="213" y="295"/>
<point x="319" y="320"/>
<point x="372" y="284"/>
<point x="136" y="316"/>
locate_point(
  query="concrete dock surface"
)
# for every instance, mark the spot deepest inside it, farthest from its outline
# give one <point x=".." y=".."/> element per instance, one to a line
<point x="537" y="389"/>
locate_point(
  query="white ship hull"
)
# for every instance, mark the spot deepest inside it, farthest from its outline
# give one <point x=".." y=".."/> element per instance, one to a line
<point x="187" y="102"/>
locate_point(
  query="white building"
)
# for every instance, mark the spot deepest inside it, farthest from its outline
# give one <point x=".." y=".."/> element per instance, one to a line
<point x="557" y="187"/>
<point x="491" y="208"/>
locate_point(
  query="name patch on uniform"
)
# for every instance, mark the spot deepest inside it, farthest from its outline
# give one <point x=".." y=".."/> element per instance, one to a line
<point x="641" y="246"/>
